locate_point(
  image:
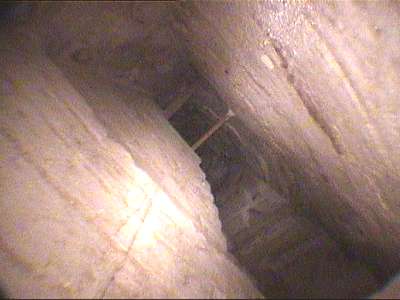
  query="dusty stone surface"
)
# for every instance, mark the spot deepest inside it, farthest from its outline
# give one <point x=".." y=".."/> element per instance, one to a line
<point x="316" y="83"/>
<point x="314" y="88"/>
<point x="287" y="254"/>
<point x="84" y="212"/>
<point x="131" y="44"/>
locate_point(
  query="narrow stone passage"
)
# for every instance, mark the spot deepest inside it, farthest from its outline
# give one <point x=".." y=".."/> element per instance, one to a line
<point x="199" y="149"/>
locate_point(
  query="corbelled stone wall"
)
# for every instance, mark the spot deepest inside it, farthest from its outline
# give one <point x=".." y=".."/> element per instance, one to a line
<point x="100" y="197"/>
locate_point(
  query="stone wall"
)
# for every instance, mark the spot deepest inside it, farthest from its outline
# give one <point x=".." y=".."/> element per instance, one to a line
<point x="100" y="197"/>
<point x="317" y="85"/>
<point x="289" y="256"/>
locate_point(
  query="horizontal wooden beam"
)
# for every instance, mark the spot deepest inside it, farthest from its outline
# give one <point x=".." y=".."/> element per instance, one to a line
<point x="213" y="129"/>
<point x="183" y="94"/>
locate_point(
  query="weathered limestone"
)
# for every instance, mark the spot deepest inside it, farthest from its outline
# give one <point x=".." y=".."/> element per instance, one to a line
<point x="100" y="197"/>
<point x="287" y="254"/>
<point x="317" y="85"/>
<point x="93" y="201"/>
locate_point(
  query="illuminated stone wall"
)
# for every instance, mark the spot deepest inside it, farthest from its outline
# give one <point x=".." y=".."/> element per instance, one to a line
<point x="317" y="85"/>
<point x="100" y="197"/>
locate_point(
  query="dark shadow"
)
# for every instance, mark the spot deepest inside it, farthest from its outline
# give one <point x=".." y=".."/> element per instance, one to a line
<point x="14" y="11"/>
<point x="3" y="294"/>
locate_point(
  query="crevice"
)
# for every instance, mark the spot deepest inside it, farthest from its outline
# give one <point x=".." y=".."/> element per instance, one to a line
<point x="102" y="294"/>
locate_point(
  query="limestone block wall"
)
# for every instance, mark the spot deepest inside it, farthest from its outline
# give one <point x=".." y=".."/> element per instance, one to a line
<point x="99" y="197"/>
<point x="317" y="84"/>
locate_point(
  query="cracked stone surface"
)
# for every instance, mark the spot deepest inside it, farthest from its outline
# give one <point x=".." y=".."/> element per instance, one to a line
<point x="91" y="208"/>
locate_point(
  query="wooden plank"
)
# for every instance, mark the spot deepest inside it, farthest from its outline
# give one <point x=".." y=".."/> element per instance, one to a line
<point x="183" y="94"/>
<point x="213" y="129"/>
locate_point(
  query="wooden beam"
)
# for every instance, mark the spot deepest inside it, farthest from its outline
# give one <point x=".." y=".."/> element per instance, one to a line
<point x="213" y="129"/>
<point x="183" y="94"/>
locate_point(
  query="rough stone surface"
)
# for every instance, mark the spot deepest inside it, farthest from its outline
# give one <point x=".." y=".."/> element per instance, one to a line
<point x="100" y="197"/>
<point x="93" y="200"/>
<point x="288" y="255"/>
<point x="317" y="85"/>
